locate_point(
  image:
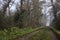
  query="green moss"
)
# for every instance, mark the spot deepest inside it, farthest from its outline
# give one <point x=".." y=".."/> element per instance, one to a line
<point x="57" y="31"/>
<point x="13" y="33"/>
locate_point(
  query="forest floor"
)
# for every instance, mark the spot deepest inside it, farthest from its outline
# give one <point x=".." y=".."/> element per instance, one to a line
<point x="53" y="35"/>
<point x="28" y="36"/>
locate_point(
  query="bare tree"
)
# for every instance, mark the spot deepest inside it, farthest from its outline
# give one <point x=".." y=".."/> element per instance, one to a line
<point x="21" y="15"/>
<point x="56" y="8"/>
<point x="36" y="12"/>
<point x="2" y="17"/>
<point x="5" y="6"/>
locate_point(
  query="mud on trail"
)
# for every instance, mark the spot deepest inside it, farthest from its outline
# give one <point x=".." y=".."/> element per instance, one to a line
<point x="54" y="36"/>
<point x="28" y="35"/>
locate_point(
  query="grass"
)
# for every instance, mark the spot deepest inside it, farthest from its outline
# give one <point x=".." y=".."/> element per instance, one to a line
<point x="41" y="35"/>
<point x="14" y="32"/>
<point x="57" y="31"/>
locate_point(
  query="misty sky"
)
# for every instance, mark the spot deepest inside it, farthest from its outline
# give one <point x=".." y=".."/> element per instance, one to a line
<point x="13" y="6"/>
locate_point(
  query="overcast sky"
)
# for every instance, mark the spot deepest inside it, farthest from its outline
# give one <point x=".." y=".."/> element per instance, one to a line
<point x="13" y="6"/>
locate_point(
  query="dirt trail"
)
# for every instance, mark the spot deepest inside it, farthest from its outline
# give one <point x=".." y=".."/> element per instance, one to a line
<point x="53" y="36"/>
<point x="26" y="37"/>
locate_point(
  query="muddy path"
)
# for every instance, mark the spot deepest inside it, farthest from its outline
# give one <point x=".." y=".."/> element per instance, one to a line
<point x="54" y="35"/>
<point x="28" y="35"/>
